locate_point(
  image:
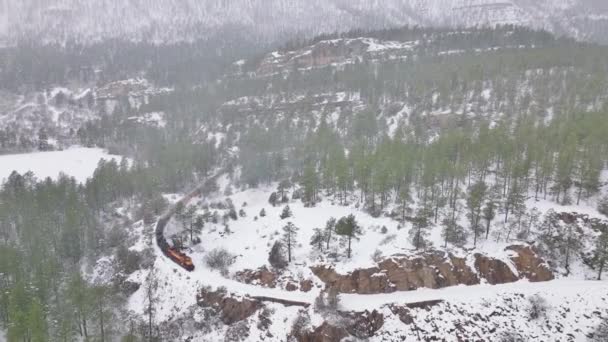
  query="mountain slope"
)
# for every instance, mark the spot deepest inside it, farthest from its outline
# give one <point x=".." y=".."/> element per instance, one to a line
<point x="167" y="20"/>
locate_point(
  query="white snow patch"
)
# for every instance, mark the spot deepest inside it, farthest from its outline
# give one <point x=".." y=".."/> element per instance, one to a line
<point x="77" y="162"/>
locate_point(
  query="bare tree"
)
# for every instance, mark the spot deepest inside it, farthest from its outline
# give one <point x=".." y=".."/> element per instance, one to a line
<point x="151" y="300"/>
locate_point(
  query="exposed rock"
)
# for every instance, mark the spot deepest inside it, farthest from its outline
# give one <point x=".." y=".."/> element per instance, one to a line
<point x="529" y="265"/>
<point x="324" y="333"/>
<point x="262" y="276"/>
<point x="494" y="271"/>
<point x="291" y="287"/>
<point x="306" y="285"/>
<point x="361" y="325"/>
<point x="434" y="270"/>
<point x="231" y="309"/>
<point x="431" y="270"/>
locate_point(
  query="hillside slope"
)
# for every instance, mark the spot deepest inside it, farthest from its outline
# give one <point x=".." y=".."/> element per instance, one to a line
<point x="163" y="20"/>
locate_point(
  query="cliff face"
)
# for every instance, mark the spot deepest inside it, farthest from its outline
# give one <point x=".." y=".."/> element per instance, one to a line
<point x="437" y="270"/>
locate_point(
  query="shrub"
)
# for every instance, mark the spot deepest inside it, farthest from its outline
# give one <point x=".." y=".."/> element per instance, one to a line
<point x="301" y="323"/>
<point x="238" y="331"/>
<point x="600" y="334"/>
<point x="377" y="256"/>
<point x="219" y="259"/>
<point x="537" y="307"/>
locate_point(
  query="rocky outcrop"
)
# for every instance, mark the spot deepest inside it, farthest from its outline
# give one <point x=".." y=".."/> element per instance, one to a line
<point x="529" y="265"/>
<point x="262" y="276"/>
<point x="431" y="270"/>
<point x="267" y="278"/>
<point x="494" y="271"/>
<point x="324" y="333"/>
<point x="231" y="309"/>
<point x="435" y="270"/>
<point x="361" y="325"/>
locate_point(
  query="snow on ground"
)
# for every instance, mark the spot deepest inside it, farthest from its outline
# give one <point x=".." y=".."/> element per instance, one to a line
<point x="77" y="162"/>
<point x="178" y="288"/>
<point x="570" y="311"/>
<point x="559" y="288"/>
<point x="576" y="304"/>
<point x="250" y="239"/>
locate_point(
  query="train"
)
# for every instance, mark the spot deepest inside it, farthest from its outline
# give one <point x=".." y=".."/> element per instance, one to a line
<point x="170" y="252"/>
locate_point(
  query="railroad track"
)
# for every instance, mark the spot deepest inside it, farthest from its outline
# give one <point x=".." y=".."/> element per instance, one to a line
<point x="174" y="254"/>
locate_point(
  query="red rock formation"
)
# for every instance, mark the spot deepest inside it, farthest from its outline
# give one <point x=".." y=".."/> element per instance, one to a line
<point x="434" y="270"/>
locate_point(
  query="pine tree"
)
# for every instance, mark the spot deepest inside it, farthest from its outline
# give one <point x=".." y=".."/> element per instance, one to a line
<point x="151" y="302"/>
<point x="290" y="233"/>
<point x="283" y="186"/>
<point x="489" y="213"/>
<point x="330" y="228"/>
<point x="602" y="206"/>
<point x="197" y="226"/>
<point x="318" y="239"/>
<point x="477" y="193"/>
<point x="286" y="213"/>
<point x="273" y="199"/>
<point x="420" y="225"/>
<point x="602" y="252"/>
<point x="276" y="257"/>
<point x="348" y="227"/>
<point x="310" y="183"/>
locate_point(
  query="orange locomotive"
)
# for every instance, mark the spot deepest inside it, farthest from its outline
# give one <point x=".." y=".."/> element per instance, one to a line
<point x="175" y="255"/>
<point x="180" y="258"/>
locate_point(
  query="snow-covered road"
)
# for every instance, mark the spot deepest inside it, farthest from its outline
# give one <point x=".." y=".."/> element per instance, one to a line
<point x="463" y="293"/>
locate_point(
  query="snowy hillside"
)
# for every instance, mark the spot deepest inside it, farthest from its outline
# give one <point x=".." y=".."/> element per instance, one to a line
<point x="450" y="314"/>
<point x="162" y="20"/>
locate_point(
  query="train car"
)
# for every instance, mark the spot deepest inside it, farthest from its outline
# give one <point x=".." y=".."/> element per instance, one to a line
<point x="179" y="258"/>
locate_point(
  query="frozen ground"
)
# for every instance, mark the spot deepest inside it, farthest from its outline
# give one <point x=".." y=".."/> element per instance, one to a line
<point x="77" y="162"/>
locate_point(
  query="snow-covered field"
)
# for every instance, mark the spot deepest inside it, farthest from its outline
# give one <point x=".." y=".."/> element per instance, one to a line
<point x="77" y="162"/>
